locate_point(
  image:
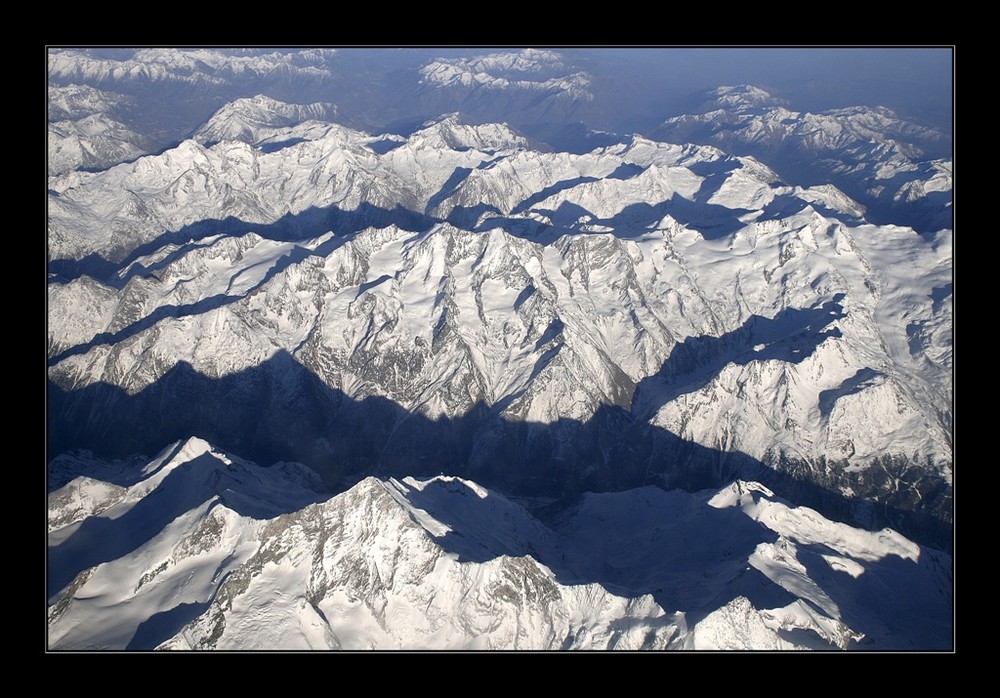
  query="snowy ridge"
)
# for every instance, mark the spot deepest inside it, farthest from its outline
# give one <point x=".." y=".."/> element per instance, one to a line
<point x="95" y="141"/>
<point x="459" y="269"/>
<point x="740" y="97"/>
<point x="256" y="119"/>
<point x="878" y="157"/>
<point x="448" y="133"/>
<point x="85" y="129"/>
<point x="444" y="165"/>
<point x="186" y="65"/>
<point x="527" y="60"/>
<point x="761" y="117"/>
<point x="379" y="278"/>
<point x="78" y="101"/>
<point x="528" y="69"/>
<point x="559" y="273"/>
<point x="445" y="563"/>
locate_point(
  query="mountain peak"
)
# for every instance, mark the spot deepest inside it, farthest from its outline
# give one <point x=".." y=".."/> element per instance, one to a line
<point x="445" y="563"/>
<point x="255" y="119"/>
<point x="449" y="131"/>
<point x="745" y="96"/>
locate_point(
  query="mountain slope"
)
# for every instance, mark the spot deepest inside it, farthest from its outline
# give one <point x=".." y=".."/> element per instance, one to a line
<point x="445" y="563"/>
<point x="255" y="119"/>
<point x="604" y="320"/>
<point x="93" y="142"/>
<point x="896" y="168"/>
<point x="87" y="129"/>
<point x="205" y="66"/>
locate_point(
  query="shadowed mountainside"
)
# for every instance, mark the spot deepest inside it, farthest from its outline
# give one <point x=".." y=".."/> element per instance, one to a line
<point x="280" y="410"/>
<point x="642" y="541"/>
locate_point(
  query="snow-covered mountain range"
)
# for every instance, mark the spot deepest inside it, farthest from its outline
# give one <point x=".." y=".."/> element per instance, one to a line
<point x="198" y="549"/>
<point x="483" y="366"/>
<point x="464" y="275"/>
<point x="529" y="70"/>
<point x="257" y="119"/>
<point x="84" y="133"/>
<point x="206" y="66"/>
<point x="893" y="166"/>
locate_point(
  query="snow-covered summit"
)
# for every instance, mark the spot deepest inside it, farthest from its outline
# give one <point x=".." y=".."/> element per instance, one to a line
<point x="444" y="563"/>
<point x="449" y="133"/>
<point x="199" y="66"/>
<point x="872" y="153"/>
<point x="254" y="119"/>
<point x="740" y="97"/>
<point x="528" y="69"/>
<point x="528" y="60"/>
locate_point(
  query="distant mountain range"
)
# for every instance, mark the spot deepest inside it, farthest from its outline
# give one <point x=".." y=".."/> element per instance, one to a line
<point x="899" y="170"/>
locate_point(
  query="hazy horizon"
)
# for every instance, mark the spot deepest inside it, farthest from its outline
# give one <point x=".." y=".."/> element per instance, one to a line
<point x="635" y="88"/>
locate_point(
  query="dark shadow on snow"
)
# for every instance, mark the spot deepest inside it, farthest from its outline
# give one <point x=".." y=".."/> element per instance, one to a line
<point x="711" y="220"/>
<point x="786" y="205"/>
<point x="855" y="384"/>
<point x="692" y="556"/>
<point x="280" y="410"/>
<point x="791" y="336"/>
<point x="275" y="146"/>
<point x="673" y="540"/>
<point x="938" y="296"/>
<point x="384" y="145"/>
<point x="176" y="311"/>
<point x="550" y="191"/>
<point x="162" y="626"/>
<point x="292" y="227"/>
<point x="449" y="188"/>
<point x="191" y="484"/>
<point x="626" y="170"/>
<point x="909" y="600"/>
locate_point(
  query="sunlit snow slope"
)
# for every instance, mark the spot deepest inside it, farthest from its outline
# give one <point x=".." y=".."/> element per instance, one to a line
<point x="197" y="549"/>
<point x="540" y="322"/>
<point x="443" y="385"/>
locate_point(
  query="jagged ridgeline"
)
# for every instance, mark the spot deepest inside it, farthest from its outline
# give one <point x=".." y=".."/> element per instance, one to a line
<point x="431" y="349"/>
<point x="198" y="549"/>
<point x="456" y="301"/>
